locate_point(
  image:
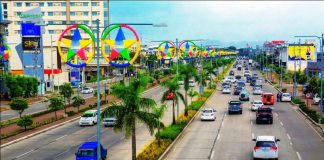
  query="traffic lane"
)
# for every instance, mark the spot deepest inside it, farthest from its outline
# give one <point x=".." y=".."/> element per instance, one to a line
<point x="234" y="141"/>
<point x="286" y="150"/>
<point x="198" y="139"/>
<point x="305" y="140"/>
<point x="51" y="136"/>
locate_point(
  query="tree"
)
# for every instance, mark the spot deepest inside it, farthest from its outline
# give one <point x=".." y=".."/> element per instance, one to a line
<point x="172" y="87"/>
<point x="19" y="105"/>
<point x="78" y="101"/>
<point x="95" y="93"/>
<point x="187" y="72"/>
<point x="56" y="103"/>
<point x="25" y="121"/>
<point x="159" y="112"/>
<point x="192" y="94"/>
<point x="66" y="91"/>
<point x="132" y="108"/>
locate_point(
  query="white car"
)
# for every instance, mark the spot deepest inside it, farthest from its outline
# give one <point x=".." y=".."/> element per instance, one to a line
<point x="257" y="91"/>
<point x="191" y="83"/>
<point x="208" y="114"/>
<point x="266" y="147"/>
<point x="285" y="97"/>
<point x="181" y="82"/>
<point x="256" y="104"/>
<point x="88" y="118"/>
<point x="226" y="90"/>
<point x="109" y="121"/>
<point x="87" y="90"/>
<point x="316" y="99"/>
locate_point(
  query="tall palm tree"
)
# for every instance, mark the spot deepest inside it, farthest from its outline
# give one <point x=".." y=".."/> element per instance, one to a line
<point x="172" y="87"/>
<point x="133" y="108"/>
<point x="159" y="112"/>
<point x="187" y="72"/>
<point x="210" y="71"/>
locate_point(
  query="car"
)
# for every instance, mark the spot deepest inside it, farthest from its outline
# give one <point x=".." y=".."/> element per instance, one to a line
<point x="208" y="113"/>
<point x="264" y="114"/>
<point x="258" y="85"/>
<point x="88" y="118"/>
<point x="268" y="98"/>
<point x="226" y="84"/>
<point x="257" y="90"/>
<point x="247" y="73"/>
<point x="239" y="68"/>
<point x="316" y="99"/>
<point x="227" y="80"/>
<point x="238" y="90"/>
<point x="87" y="90"/>
<point x="88" y="150"/>
<point x="191" y="83"/>
<point x="231" y="79"/>
<point x="240" y="83"/>
<point x="248" y="78"/>
<point x="231" y="73"/>
<point x="246" y="68"/>
<point x="235" y="107"/>
<point x="107" y="122"/>
<point x="226" y="90"/>
<point x="256" y="104"/>
<point x="238" y="77"/>
<point x="244" y="96"/>
<point x="181" y="82"/>
<point x="170" y="96"/>
<point x="266" y="147"/>
<point x="285" y="97"/>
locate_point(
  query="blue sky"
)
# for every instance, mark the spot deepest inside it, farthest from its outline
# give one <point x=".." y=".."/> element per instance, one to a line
<point x="231" y="22"/>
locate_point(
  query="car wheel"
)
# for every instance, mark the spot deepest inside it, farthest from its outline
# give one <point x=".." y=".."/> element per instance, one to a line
<point x="256" y="122"/>
<point x="241" y="112"/>
<point x="229" y="112"/>
<point x="93" y="123"/>
<point x="271" y="121"/>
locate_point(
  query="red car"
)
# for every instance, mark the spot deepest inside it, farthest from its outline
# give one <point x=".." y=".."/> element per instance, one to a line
<point x="170" y="96"/>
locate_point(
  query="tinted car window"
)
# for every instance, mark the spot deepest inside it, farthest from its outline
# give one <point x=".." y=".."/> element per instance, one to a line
<point x="265" y="144"/>
<point x="85" y="152"/>
<point x="87" y="115"/>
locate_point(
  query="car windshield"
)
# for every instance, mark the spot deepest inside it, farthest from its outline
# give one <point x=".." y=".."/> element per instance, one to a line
<point x="191" y="81"/>
<point x="86" y="152"/>
<point x="265" y="110"/>
<point x="265" y="144"/>
<point x="207" y="111"/>
<point x="286" y="95"/>
<point x="257" y="88"/>
<point x="235" y="103"/>
<point x="87" y="115"/>
<point x="257" y="102"/>
<point x="109" y="120"/>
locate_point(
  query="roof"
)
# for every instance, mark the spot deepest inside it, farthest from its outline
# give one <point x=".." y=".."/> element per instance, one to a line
<point x="88" y="145"/>
<point x="265" y="138"/>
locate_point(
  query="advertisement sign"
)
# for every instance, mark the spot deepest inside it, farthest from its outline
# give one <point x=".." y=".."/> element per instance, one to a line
<point x="303" y="52"/>
<point x="30" y="43"/>
<point x="30" y="29"/>
<point x="33" y="15"/>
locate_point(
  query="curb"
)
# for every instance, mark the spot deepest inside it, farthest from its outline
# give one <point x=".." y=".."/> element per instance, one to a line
<point x="52" y="127"/>
<point x="166" y="152"/>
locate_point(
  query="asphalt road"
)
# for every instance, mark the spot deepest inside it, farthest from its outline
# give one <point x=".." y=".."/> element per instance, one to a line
<point x="62" y="142"/>
<point x="230" y="136"/>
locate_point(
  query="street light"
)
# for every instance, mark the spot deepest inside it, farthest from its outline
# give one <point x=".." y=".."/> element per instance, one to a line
<point x="321" y="39"/>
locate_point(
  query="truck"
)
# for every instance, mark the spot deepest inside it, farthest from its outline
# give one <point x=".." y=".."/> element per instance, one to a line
<point x="88" y="151"/>
<point x="250" y="62"/>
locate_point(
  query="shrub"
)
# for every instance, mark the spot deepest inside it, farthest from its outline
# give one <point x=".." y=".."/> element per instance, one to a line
<point x="153" y="151"/>
<point x="70" y="113"/>
<point x="25" y="121"/>
<point x="195" y="105"/>
<point x="311" y="113"/>
<point x="172" y="131"/>
<point x="296" y="100"/>
<point x="284" y="90"/>
<point x="185" y="119"/>
<point x="207" y="94"/>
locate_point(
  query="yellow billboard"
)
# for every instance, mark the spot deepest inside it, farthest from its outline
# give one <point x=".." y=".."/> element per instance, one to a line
<point x="301" y="52"/>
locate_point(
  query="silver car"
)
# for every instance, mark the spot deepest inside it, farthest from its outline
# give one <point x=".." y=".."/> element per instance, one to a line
<point x="109" y="121"/>
<point x="257" y="91"/>
<point x="266" y="147"/>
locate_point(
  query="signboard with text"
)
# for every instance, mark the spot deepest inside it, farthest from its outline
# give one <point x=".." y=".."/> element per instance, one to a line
<point x="30" y="29"/>
<point x="30" y="43"/>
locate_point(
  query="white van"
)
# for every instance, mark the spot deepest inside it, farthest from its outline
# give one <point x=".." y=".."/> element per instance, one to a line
<point x="88" y="118"/>
<point x="191" y="83"/>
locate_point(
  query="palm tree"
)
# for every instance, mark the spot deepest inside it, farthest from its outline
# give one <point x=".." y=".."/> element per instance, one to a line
<point x="192" y="94"/>
<point x="159" y="112"/>
<point x="77" y="102"/>
<point x="187" y="72"/>
<point x="133" y="107"/>
<point x="210" y="70"/>
<point x="172" y="87"/>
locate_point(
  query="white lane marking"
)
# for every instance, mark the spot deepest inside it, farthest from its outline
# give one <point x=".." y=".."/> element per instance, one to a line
<point x="222" y="123"/>
<point x="276" y="114"/>
<point x="252" y="135"/>
<point x="281" y="123"/>
<point x="251" y="123"/>
<point x="298" y="155"/>
<point x="62" y="153"/>
<point x="92" y="137"/>
<point x="218" y="136"/>
<point x="290" y="143"/>
<point x="288" y="136"/>
<point x="212" y="155"/>
<point x="250" y="114"/>
<point x="24" y="154"/>
<point x="60" y="137"/>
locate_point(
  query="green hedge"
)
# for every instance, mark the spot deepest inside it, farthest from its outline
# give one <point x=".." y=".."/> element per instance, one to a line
<point x="172" y="131"/>
<point x="311" y="113"/>
<point x="195" y="105"/>
<point x="296" y="100"/>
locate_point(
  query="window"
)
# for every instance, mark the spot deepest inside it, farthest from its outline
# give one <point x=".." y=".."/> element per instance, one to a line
<point x="72" y="13"/>
<point x="51" y="31"/>
<point x="41" y="4"/>
<point x="18" y="4"/>
<point x="43" y="13"/>
<point x="50" y="22"/>
<point x="86" y="22"/>
<point x="5" y="14"/>
<point x="95" y="3"/>
<point x="72" y="22"/>
<point x="63" y="22"/>
<point x="72" y="4"/>
<point x="17" y="32"/>
<point x="94" y="22"/>
<point x="50" y="13"/>
<point x="18" y="22"/>
<point x="94" y="13"/>
<point x="50" y="4"/>
<point x="105" y="13"/>
<point x="85" y="13"/>
<point x="63" y="13"/>
<point x="18" y="13"/>
<point x="63" y="4"/>
<point x="85" y="3"/>
<point x="5" y="6"/>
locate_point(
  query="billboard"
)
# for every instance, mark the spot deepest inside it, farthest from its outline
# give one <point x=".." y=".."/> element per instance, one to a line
<point x="305" y="52"/>
<point x="30" y="29"/>
<point x="30" y="43"/>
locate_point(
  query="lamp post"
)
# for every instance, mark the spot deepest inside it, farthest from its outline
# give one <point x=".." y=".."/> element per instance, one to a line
<point x="321" y="39"/>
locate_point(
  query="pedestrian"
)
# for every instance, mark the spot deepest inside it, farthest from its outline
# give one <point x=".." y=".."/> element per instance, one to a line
<point x="278" y="96"/>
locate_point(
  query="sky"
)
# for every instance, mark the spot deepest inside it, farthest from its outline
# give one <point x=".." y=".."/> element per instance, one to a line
<point x="235" y="22"/>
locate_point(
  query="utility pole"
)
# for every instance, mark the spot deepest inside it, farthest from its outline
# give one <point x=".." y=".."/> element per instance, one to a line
<point x="295" y="81"/>
<point x="177" y="53"/>
<point x="321" y="78"/>
<point x="52" y="65"/>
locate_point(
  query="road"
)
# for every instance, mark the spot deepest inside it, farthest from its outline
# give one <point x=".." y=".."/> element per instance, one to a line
<point x="62" y="142"/>
<point x="230" y="136"/>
